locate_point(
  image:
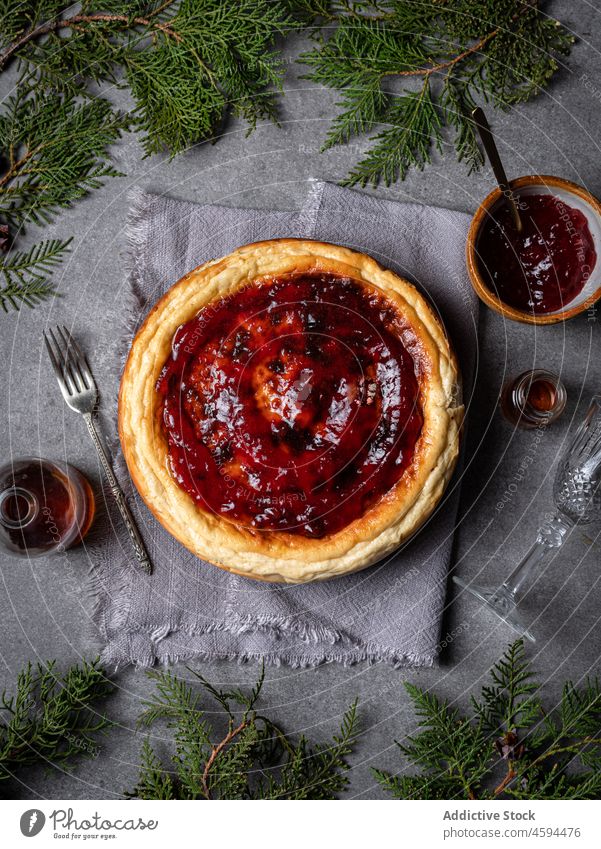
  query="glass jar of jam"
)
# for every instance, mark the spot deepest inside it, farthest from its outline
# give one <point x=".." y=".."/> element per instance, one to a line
<point x="533" y="398"/>
<point x="44" y="506"/>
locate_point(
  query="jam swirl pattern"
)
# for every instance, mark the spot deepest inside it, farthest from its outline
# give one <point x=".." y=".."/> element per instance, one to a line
<point x="292" y="405"/>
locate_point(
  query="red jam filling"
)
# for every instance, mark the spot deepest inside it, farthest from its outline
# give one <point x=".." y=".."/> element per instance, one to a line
<point x="292" y="405"/>
<point x="544" y="267"/>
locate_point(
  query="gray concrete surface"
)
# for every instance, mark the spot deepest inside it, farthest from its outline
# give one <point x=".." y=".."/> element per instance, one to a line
<point x="43" y="612"/>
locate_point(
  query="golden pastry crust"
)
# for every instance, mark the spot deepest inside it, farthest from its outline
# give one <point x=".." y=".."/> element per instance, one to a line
<point x="273" y="555"/>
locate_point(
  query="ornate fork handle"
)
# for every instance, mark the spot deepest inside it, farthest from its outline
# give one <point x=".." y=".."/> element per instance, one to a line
<point x="136" y="538"/>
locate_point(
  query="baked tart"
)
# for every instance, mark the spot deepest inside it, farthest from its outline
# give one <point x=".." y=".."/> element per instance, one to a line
<point x="291" y="412"/>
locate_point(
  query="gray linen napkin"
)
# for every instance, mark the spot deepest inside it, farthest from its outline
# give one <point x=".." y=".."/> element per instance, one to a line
<point x="390" y="612"/>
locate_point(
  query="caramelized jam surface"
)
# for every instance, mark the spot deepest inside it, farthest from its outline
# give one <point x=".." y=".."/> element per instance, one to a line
<point x="292" y="405"/>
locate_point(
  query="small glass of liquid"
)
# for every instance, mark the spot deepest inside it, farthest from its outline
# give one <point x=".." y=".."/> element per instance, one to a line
<point x="44" y="506"/>
<point x="533" y="398"/>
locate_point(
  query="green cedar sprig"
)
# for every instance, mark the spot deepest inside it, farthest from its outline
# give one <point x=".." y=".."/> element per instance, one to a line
<point x="25" y="274"/>
<point x="509" y="747"/>
<point x="254" y="760"/>
<point x="54" y="150"/>
<point x="51" y="717"/>
<point x="187" y="67"/>
<point x="502" y="51"/>
<point x="187" y="64"/>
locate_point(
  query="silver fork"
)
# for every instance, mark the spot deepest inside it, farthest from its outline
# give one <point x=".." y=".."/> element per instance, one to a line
<point x="79" y="390"/>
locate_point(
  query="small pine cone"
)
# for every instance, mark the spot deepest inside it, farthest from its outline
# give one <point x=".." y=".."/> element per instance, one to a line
<point x="509" y="747"/>
<point x="4" y="238"/>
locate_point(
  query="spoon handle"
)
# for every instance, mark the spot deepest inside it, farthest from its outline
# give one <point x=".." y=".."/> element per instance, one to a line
<point x="492" y="152"/>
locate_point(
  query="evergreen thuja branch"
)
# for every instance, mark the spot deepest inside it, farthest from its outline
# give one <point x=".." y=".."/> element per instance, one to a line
<point x="217" y="749"/>
<point x="186" y="67"/>
<point x="253" y="759"/>
<point x="414" y="129"/>
<point x="510" y="702"/>
<point x="25" y="275"/>
<point x="51" y="717"/>
<point x="55" y="150"/>
<point x="502" y="51"/>
<point x="452" y="751"/>
<point x="79" y="22"/>
<point x="509" y="747"/>
<point x="448" y="64"/>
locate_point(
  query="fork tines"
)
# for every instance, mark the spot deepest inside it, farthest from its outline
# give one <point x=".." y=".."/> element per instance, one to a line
<point x="68" y="361"/>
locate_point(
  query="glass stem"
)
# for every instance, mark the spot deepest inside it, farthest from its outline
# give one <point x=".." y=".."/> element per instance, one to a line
<point x="550" y="536"/>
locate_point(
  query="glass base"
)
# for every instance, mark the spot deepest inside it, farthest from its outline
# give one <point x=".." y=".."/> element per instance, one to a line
<point x="502" y="602"/>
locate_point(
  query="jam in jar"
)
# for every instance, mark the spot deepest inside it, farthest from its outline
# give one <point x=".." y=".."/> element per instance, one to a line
<point x="543" y="267"/>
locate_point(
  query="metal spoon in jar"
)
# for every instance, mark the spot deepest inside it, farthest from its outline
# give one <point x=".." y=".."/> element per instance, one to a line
<point x="492" y="152"/>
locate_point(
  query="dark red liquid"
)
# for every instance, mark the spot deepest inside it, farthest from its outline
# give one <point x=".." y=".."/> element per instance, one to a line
<point x="542" y="395"/>
<point x="543" y="268"/>
<point x="293" y="404"/>
<point x="41" y="507"/>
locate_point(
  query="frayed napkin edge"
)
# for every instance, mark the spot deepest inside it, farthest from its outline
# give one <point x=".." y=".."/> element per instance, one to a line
<point x="116" y="655"/>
